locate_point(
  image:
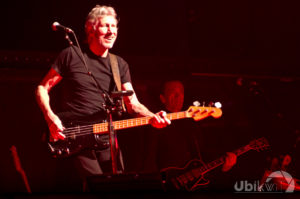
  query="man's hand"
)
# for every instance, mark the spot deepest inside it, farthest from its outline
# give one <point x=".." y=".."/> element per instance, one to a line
<point x="56" y="128"/>
<point x="160" y="120"/>
<point x="230" y="161"/>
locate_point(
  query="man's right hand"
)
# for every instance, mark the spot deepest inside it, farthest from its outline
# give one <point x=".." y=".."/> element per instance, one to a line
<point x="56" y="128"/>
<point x="160" y="120"/>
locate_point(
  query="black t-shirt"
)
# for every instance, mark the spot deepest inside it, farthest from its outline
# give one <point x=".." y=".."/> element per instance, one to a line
<point x="80" y="95"/>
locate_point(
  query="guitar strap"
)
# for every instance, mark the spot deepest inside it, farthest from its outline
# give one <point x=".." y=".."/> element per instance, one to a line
<point x="115" y="70"/>
<point x="116" y="74"/>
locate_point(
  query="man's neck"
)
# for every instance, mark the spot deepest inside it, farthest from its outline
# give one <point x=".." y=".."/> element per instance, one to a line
<point x="97" y="50"/>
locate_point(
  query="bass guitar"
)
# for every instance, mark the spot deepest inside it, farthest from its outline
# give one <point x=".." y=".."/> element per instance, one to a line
<point x="191" y="176"/>
<point x="95" y="135"/>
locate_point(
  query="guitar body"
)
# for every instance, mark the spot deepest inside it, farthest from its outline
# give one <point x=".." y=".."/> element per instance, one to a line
<point x="187" y="178"/>
<point x="79" y="136"/>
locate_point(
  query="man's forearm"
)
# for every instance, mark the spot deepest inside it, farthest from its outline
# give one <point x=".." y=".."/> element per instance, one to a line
<point x="43" y="101"/>
<point x="141" y="110"/>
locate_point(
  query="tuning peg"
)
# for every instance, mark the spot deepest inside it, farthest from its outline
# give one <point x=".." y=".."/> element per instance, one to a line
<point x="218" y="105"/>
<point x="196" y="103"/>
<point x="211" y="104"/>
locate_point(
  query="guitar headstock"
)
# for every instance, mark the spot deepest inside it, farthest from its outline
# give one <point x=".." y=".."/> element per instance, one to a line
<point x="201" y="112"/>
<point x="259" y="144"/>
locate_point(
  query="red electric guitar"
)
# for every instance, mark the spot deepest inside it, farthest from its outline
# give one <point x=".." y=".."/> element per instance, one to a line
<point x="191" y="176"/>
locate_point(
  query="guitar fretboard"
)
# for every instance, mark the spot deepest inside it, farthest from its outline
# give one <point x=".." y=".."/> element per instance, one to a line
<point x="210" y="166"/>
<point x="123" y="124"/>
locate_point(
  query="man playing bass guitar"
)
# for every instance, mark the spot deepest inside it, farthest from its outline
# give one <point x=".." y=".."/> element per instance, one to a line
<point x="81" y="97"/>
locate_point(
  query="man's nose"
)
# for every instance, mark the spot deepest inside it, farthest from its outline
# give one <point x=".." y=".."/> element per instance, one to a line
<point x="110" y="29"/>
<point x="178" y="95"/>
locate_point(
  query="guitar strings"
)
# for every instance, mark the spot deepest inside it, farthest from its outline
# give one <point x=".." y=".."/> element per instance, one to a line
<point x="102" y="126"/>
<point x="115" y="123"/>
<point x="88" y="129"/>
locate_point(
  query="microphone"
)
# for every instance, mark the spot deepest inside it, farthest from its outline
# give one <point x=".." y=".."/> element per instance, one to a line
<point x="56" y="26"/>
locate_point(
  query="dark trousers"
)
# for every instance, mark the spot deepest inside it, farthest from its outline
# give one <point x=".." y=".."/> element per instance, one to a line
<point x="92" y="163"/>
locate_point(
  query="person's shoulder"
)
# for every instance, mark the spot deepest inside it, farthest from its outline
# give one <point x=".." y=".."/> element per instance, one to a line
<point x="65" y="51"/>
<point x="121" y="61"/>
<point x="74" y="49"/>
<point x="119" y="58"/>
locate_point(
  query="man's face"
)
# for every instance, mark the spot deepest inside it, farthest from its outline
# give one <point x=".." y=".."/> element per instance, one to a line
<point x="173" y="96"/>
<point x="106" y="32"/>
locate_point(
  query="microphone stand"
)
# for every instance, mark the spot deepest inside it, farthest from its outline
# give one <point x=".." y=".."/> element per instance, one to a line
<point x="68" y="39"/>
<point x="114" y="105"/>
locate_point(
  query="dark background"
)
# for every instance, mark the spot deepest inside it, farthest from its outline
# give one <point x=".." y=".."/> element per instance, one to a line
<point x="241" y="53"/>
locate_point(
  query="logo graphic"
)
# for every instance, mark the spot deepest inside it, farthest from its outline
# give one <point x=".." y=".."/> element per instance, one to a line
<point x="284" y="179"/>
<point x="277" y="181"/>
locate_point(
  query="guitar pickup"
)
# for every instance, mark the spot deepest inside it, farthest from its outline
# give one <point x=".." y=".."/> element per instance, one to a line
<point x="75" y="132"/>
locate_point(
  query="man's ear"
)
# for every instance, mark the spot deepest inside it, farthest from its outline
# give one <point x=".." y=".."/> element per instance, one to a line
<point x="162" y="98"/>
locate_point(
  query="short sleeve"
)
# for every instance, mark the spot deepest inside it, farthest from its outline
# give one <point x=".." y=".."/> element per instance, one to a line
<point x="61" y="62"/>
<point x="124" y="70"/>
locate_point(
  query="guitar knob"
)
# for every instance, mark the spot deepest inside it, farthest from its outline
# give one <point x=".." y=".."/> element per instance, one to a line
<point x="67" y="150"/>
<point x="59" y="152"/>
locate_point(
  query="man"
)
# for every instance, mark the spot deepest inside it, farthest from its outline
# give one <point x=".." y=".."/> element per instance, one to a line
<point x="178" y="144"/>
<point x="81" y="97"/>
<point x="172" y="95"/>
<point x="174" y="147"/>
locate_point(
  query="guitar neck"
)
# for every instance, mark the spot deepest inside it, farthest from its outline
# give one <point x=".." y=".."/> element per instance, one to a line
<point x="141" y="121"/>
<point x="214" y="164"/>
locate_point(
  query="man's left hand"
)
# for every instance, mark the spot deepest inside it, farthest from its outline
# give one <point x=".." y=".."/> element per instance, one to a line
<point x="160" y="120"/>
<point x="230" y="161"/>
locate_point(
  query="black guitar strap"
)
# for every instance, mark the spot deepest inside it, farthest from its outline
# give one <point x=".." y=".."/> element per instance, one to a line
<point x="116" y="74"/>
<point x="115" y="70"/>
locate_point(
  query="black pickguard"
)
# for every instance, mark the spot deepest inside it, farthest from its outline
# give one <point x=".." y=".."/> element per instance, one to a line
<point x="79" y="135"/>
